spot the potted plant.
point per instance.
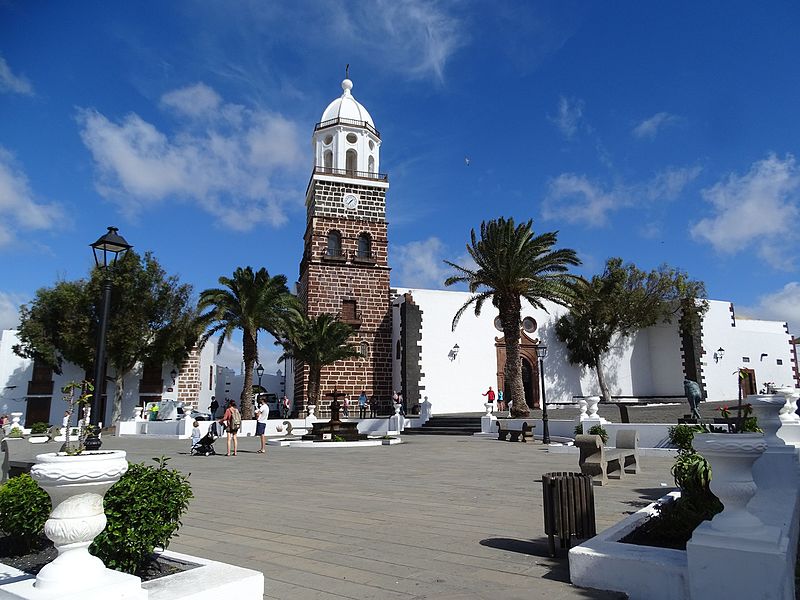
(39, 433)
(15, 433)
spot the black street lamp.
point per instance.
(260, 373)
(541, 352)
(106, 251)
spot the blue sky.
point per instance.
(659, 132)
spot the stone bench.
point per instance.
(598, 461)
(504, 430)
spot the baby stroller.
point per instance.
(205, 447)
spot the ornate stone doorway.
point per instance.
(530, 366)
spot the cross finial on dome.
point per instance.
(347, 71)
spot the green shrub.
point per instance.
(599, 430)
(15, 432)
(144, 509)
(682, 435)
(579, 429)
(39, 427)
(24, 507)
(692, 474)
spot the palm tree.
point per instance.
(251, 300)
(511, 263)
(317, 342)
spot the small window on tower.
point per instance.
(334, 244)
(371, 145)
(349, 312)
(351, 137)
(351, 162)
(327, 160)
(328, 139)
(364, 246)
(779, 361)
(371, 164)
(397, 351)
(364, 350)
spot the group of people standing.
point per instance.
(490, 398)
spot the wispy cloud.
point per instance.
(759, 209)
(15, 84)
(419, 264)
(569, 116)
(577, 199)
(9, 309)
(19, 208)
(417, 37)
(781, 305)
(226, 158)
(649, 128)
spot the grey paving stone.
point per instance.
(436, 518)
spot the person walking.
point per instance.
(373, 407)
(285, 406)
(213, 407)
(362, 405)
(232, 419)
(345, 407)
(262, 416)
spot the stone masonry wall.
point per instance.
(188, 380)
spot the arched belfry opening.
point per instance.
(351, 162)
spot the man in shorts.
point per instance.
(262, 416)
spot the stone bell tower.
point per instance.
(345, 270)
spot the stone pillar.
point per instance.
(311, 418)
(396, 421)
(488, 420)
(736, 536)
(778, 466)
(583, 410)
(790, 430)
(593, 417)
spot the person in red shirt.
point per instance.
(489, 395)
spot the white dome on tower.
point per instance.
(347, 107)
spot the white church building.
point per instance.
(452, 369)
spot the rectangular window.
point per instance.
(348, 310)
(211, 377)
(779, 361)
(745, 359)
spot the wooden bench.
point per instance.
(503, 431)
(598, 461)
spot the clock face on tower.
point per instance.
(350, 201)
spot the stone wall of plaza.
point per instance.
(648, 365)
(194, 385)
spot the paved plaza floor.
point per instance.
(438, 517)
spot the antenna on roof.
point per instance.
(347, 71)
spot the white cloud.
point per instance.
(16, 84)
(649, 128)
(758, 210)
(782, 305)
(193, 101)
(570, 114)
(19, 209)
(577, 199)
(416, 37)
(419, 264)
(228, 159)
(9, 309)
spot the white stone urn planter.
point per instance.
(731, 456)
(76, 485)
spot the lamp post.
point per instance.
(541, 352)
(107, 249)
(260, 373)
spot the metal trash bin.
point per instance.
(568, 508)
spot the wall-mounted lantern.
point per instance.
(453, 352)
(719, 354)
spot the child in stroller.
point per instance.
(205, 445)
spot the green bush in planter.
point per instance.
(144, 510)
(24, 507)
(39, 428)
(15, 432)
(579, 429)
(599, 430)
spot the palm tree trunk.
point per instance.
(249, 354)
(314, 378)
(512, 370)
